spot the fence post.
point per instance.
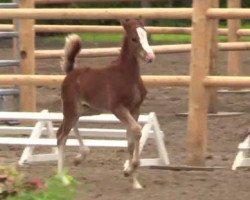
(234, 58)
(213, 99)
(198, 94)
(27, 58)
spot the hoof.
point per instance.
(86, 150)
(77, 160)
(127, 170)
(81, 156)
(135, 164)
(137, 186)
(126, 173)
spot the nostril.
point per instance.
(150, 57)
(150, 60)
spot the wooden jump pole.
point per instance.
(234, 57)
(27, 58)
(198, 94)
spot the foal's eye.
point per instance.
(134, 39)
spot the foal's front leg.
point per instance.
(129, 165)
(133, 136)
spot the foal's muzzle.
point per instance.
(150, 57)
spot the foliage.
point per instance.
(10, 181)
(6, 1)
(13, 186)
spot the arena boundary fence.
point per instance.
(44, 126)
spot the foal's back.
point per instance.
(104, 87)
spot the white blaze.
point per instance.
(144, 40)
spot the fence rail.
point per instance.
(86, 1)
(150, 80)
(111, 13)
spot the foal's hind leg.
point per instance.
(83, 150)
(70, 117)
(133, 135)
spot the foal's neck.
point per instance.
(128, 56)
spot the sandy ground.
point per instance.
(101, 176)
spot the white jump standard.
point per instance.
(242, 158)
(44, 127)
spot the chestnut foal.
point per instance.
(116, 88)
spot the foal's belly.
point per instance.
(105, 93)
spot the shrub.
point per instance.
(14, 187)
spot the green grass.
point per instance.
(171, 38)
(88, 37)
(157, 38)
(116, 37)
(101, 37)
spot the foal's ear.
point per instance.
(124, 22)
(141, 21)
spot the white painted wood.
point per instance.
(86, 132)
(39, 116)
(152, 162)
(35, 134)
(42, 158)
(44, 127)
(159, 138)
(242, 158)
(48, 142)
(144, 137)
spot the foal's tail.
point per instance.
(71, 49)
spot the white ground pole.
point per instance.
(242, 158)
(151, 130)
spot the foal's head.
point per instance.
(137, 39)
